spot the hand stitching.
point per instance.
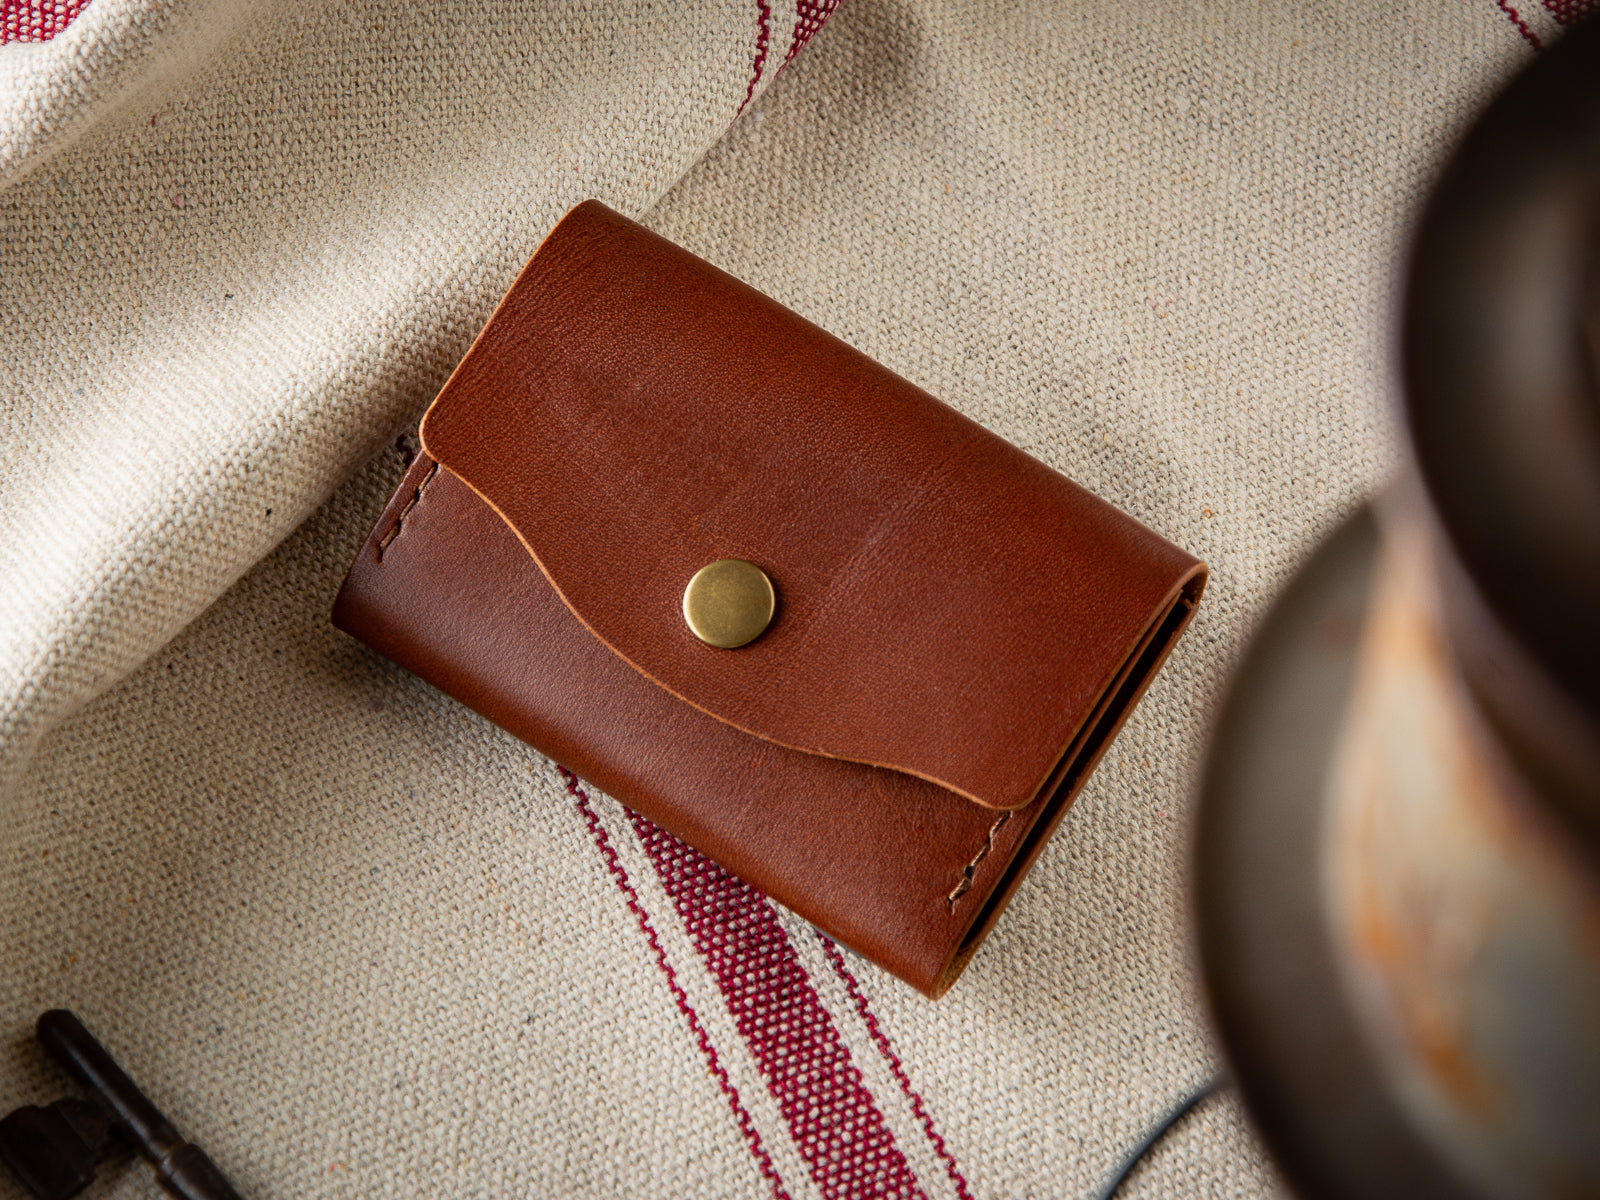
(965, 886)
(394, 530)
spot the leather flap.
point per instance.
(947, 606)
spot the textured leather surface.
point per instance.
(594, 439)
(947, 605)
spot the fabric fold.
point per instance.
(246, 251)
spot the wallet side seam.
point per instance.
(400, 519)
(964, 884)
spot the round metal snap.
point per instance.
(729, 603)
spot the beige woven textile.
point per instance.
(353, 938)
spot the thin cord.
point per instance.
(1177, 1113)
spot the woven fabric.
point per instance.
(30, 21)
(357, 941)
(246, 271)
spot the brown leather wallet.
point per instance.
(958, 630)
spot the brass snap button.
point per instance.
(728, 603)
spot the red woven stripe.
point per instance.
(763, 35)
(886, 1048)
(832, 1117)
(36, 20)
(1569, 12)
(1512, 15)
(809, 17)
(618, 873)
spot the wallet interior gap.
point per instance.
(1112, 712)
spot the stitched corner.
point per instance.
(394, 530)
(965, 885)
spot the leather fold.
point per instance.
(948, 606)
